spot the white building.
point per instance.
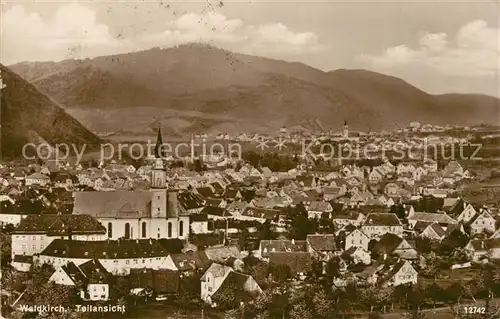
(36, 232)
(116, 256)
(137, 214)
(37, 179)
(378, 224)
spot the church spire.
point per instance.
(345, 131)
(159, 148)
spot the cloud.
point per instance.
(74, 32)
(234, 34)
(473, 52)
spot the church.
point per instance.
(153, 213)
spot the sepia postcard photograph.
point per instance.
(249, 159)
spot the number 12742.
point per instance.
(475, 310)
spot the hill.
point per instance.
(194, 88)
(28, 116)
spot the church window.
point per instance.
(169, 230)
(181, 228)
(143, 229)
(110, 230)
(127, 231)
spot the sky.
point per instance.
(438, 46)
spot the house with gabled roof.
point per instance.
(347, 217)
(440, 218)
(317, 208)
(232, 194)
(187, 263)
(378, 224)
(482, 222)
(333, 192)
(91, 277)
(280, 245)
(37, 179)
(359, 255)
(36, 232)
(463, 211)
(399, 274)
(116, 256)
(241, 284)
(306, 181)
(404, 167)
(375, 176)
(356, 238)
(480, 249)
(321, 246)
(261, 214)
(433, 231)
(212, 279)
(393, 245)
(215, 212)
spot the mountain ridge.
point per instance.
(28, 116)
(222, 86)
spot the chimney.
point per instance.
(172, 203)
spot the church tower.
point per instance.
(158, 175)
(345, 131)
(159, 188)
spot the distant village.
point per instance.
(232, 235)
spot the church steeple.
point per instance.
(345, 131)
(159, 149)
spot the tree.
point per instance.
(322, 304)
(120, 288)
(5, 248)
(198, 165)
(301, 311)
(416, 297)
(435, 294)
(332, 267)
(298, 222)
(432, 265)
(415, 314)
(368, 297)
(453, 293)
(460, 255)
(280, 273)
(455, 239)
(259, 272)
(244, 239)
(266, 231)
(400, 293)
(228, 296)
